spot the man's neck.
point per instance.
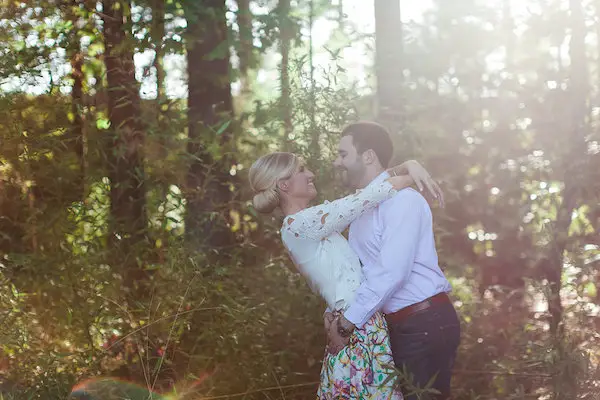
(370, 174)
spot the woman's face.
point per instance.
(301, 184)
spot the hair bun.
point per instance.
(266, 201)
(263, 176)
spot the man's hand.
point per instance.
(337, 341)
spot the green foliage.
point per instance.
(487, 112)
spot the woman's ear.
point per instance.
(283, 185)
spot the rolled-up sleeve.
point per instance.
(400, 236)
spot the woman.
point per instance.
(312, 236)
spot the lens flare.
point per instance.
(113, 389)
(117, 389)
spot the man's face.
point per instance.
(349, 163)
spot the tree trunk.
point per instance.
(597, 25)
(576, 150)
(286, 32)
(509, 26)
(513, 278)
(210, 186)
(210, 111)
(78, 129)
(126, 167)
(244, 19)
(314, 148)
(77, 132)
(158, 33)
(388, 64)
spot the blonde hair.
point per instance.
(263, 177)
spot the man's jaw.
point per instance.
(371, 172)
(343, 177)
(350, 183)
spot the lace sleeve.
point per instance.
(320, 221)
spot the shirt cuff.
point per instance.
(357, 315)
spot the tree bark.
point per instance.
(576, 150)
(388, 64)
(158, 33)
(210, 186)
(511, 273)
(126, 166)
(244, 19)
(314, 148)
(286, 32)
(76, 59)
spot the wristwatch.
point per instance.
(343, 331)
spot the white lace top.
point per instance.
(320, 252)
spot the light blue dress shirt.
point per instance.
(396, 246)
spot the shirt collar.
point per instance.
(377, 180)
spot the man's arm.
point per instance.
(400, 238)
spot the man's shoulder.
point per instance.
(405, 199)
(407, 196)
(406, 202)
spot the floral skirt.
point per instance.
(361, 369)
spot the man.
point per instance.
(396, 246)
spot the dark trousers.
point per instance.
(425, 344)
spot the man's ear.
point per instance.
(283, 185)
(369, 157)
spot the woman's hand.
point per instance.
(327, 320)
(335, 341)
(400, 182)
(420, 176)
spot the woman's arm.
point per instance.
(320, 221)
(420, 176)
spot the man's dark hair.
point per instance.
(371, 135)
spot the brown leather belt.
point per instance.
(405, 312)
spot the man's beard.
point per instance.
(352, 177)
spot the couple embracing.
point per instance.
(387, 301)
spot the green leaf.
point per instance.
(102, 123)
(590, 289)
(223, 127)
